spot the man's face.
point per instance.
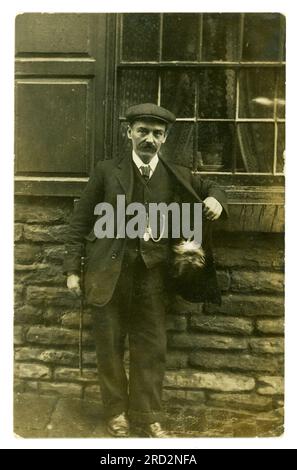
(147, 138)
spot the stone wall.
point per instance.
(228, 356)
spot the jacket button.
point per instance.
(114, 255)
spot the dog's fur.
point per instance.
(189, 258)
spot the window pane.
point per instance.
(220, 37)
(256, 93)
(216, 93)
(261, 38)
(137, 86)
(281, 145)
(281, 95)
(124, 144)
(255, 145)
(178, 92)
(180, 36)
(215, 143)
(140, 36)
(179, 145)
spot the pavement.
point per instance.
(37, 416)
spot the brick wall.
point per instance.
(229, 356)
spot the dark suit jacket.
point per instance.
(104, 256)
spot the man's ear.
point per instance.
(129, 130)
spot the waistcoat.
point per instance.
(159, 188)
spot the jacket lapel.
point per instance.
(125, 176)
(181, 176)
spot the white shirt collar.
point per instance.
(138, 162)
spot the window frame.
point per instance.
(232, 177)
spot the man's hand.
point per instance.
(73, 284)
(212, 208)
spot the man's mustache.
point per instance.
(147, 147)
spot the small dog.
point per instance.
(188, 270)
(189, 257)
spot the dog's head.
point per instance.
(189, 257)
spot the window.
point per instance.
(223, 75)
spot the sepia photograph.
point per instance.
(149, 225)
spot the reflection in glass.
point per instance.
(215, 144)
(281, 145)
(261, 37)
(255, 147)
(178, 92)
(281, 95)
(179, 146)
(216, 93)
(180, 36)
(140, 36)
(256, 93)
(220, 37)
(137, 86)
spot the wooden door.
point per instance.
(60, 105)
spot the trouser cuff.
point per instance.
(114, 411)
(140, 417)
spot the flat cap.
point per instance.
(149, 110)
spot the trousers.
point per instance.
(136, 314)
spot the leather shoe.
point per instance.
(118, 426)
(155, 430)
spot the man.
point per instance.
(125, 277)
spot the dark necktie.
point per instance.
(145, 171)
